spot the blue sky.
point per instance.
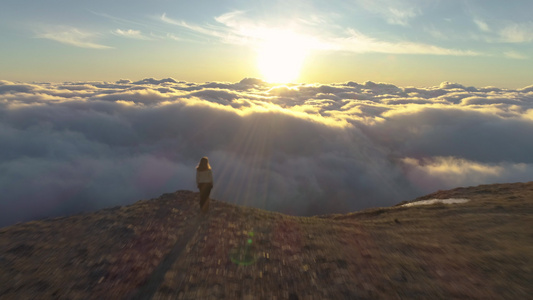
(405, 42)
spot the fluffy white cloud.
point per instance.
(72, 36)
(515, 55)
(300, 149)
(238, 28)
(449, 172)
(517, 32)
(395, 12)
(130, 33)
(482, 25)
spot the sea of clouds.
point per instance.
(300, 149)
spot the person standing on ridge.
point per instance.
(204, 181)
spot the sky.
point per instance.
(303, 107)
(403, 42)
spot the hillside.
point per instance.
(163, 249)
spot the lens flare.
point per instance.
(244, 255)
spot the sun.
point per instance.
(280, 56)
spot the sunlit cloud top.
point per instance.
(295, 148)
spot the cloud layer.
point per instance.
(299, 149)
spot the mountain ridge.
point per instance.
(163, 248)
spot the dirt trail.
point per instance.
(155, 280)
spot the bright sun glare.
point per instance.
(281, 56)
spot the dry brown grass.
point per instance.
(482, 249)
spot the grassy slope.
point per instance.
(482, 249)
